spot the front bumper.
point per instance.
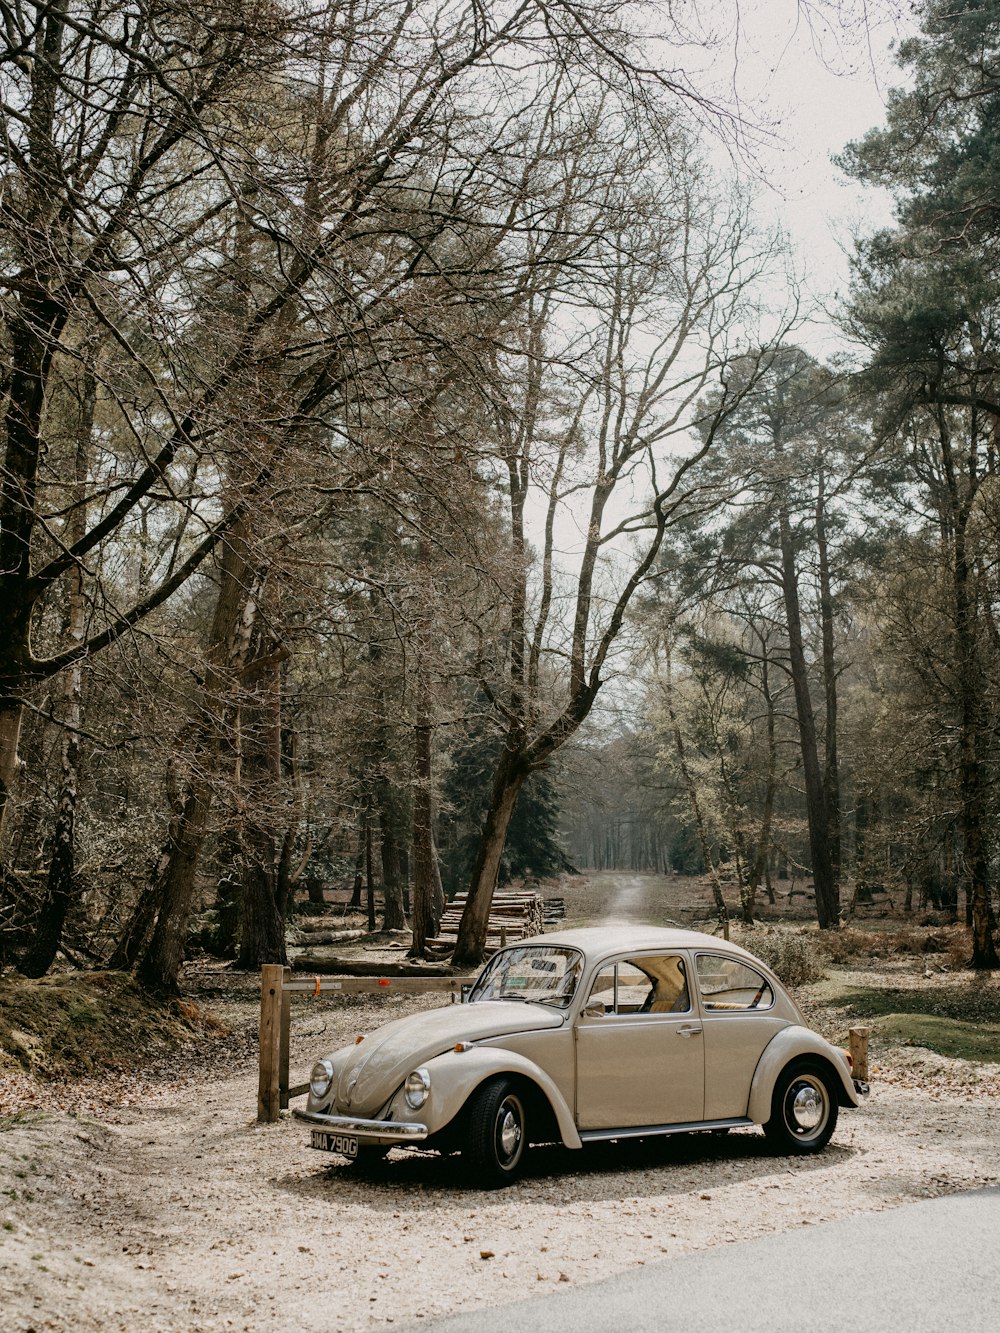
(381, 1131)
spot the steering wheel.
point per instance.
(758, 997)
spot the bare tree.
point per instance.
(596, 413)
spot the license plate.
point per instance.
(325, 1141)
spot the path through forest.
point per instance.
(621, 898)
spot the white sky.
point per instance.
(810, 91)
(817, 87)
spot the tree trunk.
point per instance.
(34, 329)
(11, 712)
(394, 917)
(424, 921)
(262, 929)
(972, 812)
(437, 891)
(831, 767)
(473, 927)
(827, 896)
(262, 922)
(286, 877)
(972, 808)
(359, 866)
(134, 939)
(174, 893)
(759, 867)
(227, 894)
(60, 884)
(61, 879)
(722, 911)
(160, 966)
(369, 872)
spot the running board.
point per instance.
(657, 1131)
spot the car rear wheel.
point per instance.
(803, 1109)
(496, 1133)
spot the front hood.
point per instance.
(370, 1072)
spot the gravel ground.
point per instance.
(157, 1203)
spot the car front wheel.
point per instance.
(496, 1134)
(803, 1110)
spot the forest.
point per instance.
(415, 471)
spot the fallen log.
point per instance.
(362, 967)
(311, 937)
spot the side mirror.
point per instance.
(593, 1010)
(466, 988)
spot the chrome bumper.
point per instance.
(385, 1131)
(861, 1088)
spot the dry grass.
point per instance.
(851, 943)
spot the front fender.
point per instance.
(455, 1075)
(790, 1044)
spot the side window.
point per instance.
(670, 985)
(645, 985)
(726, 983)
(603, 989)
(634, 988)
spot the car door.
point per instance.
(737, 1008)
(639, 1055)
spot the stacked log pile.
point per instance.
(514, 915)
(554, 909)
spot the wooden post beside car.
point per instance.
(274, 1089)
(268, 1082)
(858, 1039)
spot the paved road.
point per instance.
(929, 1267)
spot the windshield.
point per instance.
(538, 972)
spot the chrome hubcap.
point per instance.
(807, 1107)
(510, 1132)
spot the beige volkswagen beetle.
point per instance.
(581, 1035)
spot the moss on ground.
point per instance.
(85, 1022)
(945, 1036)
(964, 1002)
(959, 1019)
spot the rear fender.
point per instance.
(794, 1043)
(457, 1074)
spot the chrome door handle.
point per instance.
(689, 1030)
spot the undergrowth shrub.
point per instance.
(850, 944)
(794, 957)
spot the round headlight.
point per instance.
(417, 1089)
(321, 1078)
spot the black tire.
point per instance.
(803, 1109)
(496, 1134)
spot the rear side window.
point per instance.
(727, 984)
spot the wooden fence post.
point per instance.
(285, 1030)
(858, 1038)
(268, 1096)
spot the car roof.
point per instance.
(599, 941)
